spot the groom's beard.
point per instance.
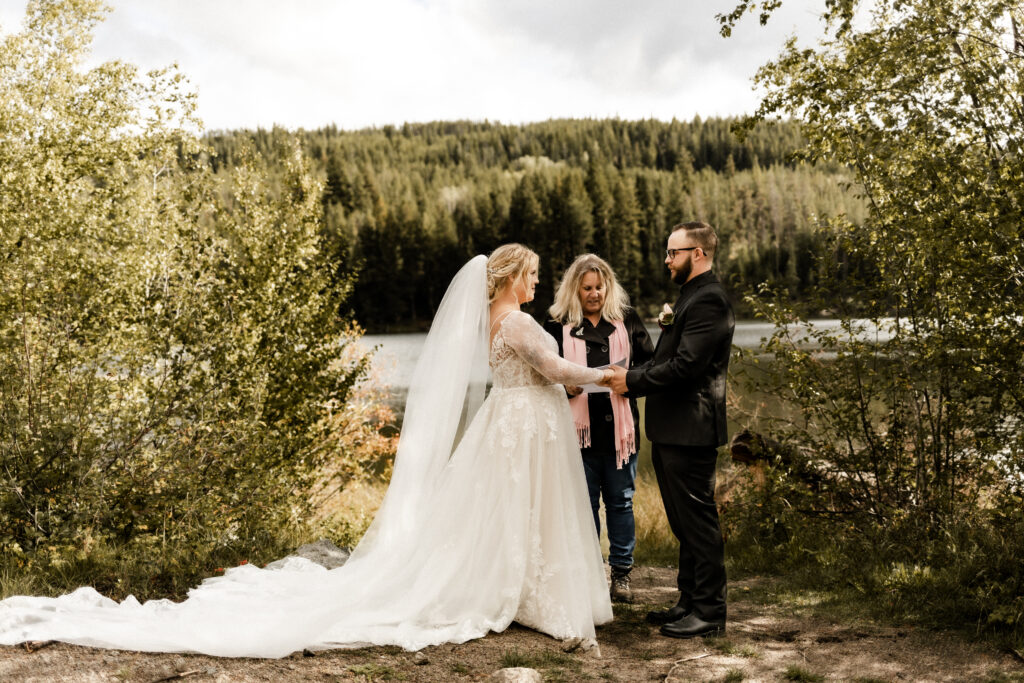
(683, 274)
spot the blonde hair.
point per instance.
(507, 264)
(567, 308)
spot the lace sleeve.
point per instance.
(537, 348)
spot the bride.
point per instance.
(486, 519)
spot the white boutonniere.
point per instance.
(666, 317)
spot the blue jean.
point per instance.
(617, 488)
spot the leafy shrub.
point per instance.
(169, 337)
(903, 435)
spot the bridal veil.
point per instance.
(447, 388)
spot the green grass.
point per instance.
(632, 615)
(17, 581)
(801, 675)
(551, 658)
(726, 647)
(512, 659)
(549, 661)
(459, 668)
(792, 596)
(733, 676)
(562, 676)
(145, 571)
(645, 655)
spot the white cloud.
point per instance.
(356, 64)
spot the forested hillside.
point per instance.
(405, 207)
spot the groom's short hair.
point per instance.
(703, 235)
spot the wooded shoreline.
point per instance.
(405, 207)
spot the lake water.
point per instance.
(396, 354)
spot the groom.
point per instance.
(685, 420)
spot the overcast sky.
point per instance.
(309, 63)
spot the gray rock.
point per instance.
(519, 674)
(323, 552)
(419, 659)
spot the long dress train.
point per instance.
(505, 534)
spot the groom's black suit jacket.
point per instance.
(685, 381)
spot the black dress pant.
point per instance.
(686, 478)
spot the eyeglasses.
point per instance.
(671, 253)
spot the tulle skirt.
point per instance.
(507, 535)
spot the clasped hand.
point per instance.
(614, 378)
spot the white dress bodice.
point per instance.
(523, 354)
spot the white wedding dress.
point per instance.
(469, 539)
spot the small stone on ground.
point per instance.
(518, 674)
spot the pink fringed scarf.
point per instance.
(575, 349)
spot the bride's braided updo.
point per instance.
(505, 265)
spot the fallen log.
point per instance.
(751, 448)
(748, 447)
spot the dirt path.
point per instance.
(767, 640)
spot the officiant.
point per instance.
(594, 326)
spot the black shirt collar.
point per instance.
(696, 283)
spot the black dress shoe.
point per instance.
(667, 616)
(692, 626)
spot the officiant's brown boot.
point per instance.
(620, 590)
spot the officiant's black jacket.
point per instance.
(641, 349)
(685, 381)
